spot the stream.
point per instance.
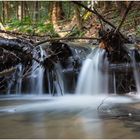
(77, 97)
(30, 116)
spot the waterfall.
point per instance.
(19, 80)
(59, 83)
(36, 78)
(55, 80)
(15, 81)
(114, 83)
(37, 75)
(92, 79)
(35, 81)
(135, 71)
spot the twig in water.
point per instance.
(57, 78)
(27, 73)
(98, 108)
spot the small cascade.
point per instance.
(114, 83)
(59, 83)
(15, 82)
(135, 70)
(19, 80)
(10, 83)
(37, 75)
(55, 80)
(93, 78)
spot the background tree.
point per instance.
(5, 10)
(57, 12)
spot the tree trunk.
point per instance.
(23, 9)
(5, 6)
(20, 10)
(121, 5)
(36, 10)
(57, 12)
(77, 17)
(26, 8)
(107, 5)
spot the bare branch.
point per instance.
(65, 38)
(22, 34)
(95, 12)
(124, 17)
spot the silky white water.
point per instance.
(93, 78)
(19, 80)
(59, 83)
(56, 80)
(37, 76)
(16, 79)
(35, 80)
(67, 102)
(136, 72)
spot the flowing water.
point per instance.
(93, 115)
(35, 82)
(19, 80)
(56, 80)
(59, 83)
(69, 117)
(95, 78)
(92, 79)
(136, 72)
(16, 80)
(37, 75)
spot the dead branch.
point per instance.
(22, 34)
(29, 72)
(2, 81)
(20, 46)
(124, 17)
(95, 12)
(7, 71)
(98, 108)
(65, 38)
(9, 52)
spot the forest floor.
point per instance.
(131, 25)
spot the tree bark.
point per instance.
(107, 5)
(57, 12)
(5, 5)
(26, 9)
(121, 5)
(36, 11)
(77, 16)
(20, 10)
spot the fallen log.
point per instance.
(65, 38)
(124, 67)
(7, 72)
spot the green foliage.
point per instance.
(27, 26)
(138, 30)
(87, 15)
(77, 32)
